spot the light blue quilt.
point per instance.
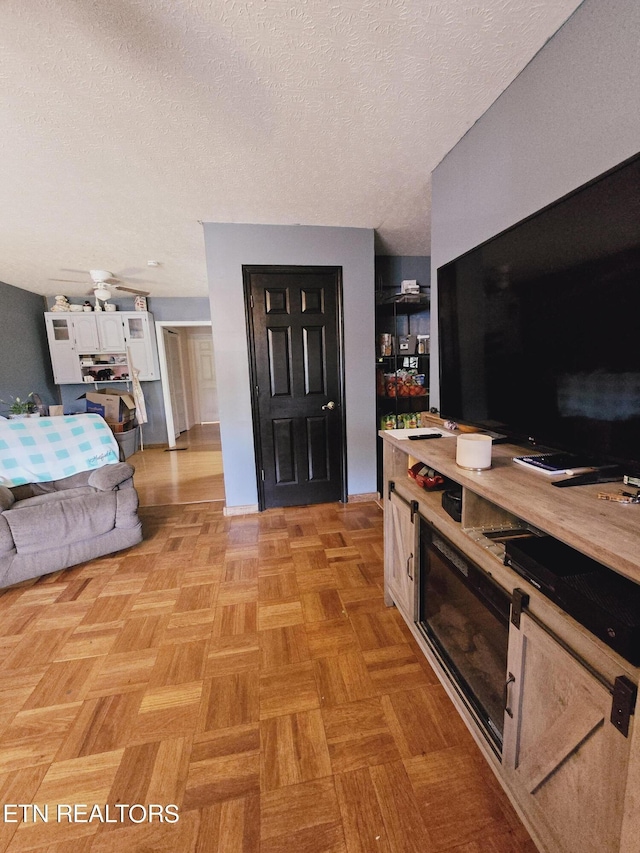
(38, 450)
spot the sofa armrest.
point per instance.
(107, 478)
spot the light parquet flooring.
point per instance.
(246, 670)
(190, 473)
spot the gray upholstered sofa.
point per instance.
(49, 526)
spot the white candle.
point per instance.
(473, 451)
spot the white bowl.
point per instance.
(75, 308)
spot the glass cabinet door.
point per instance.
(60, 330)
(135, 329)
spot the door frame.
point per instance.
(247, 270)
(164, 372)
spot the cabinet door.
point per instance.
(64, 361)
(110, 331)
(562, 755)
(141, 346)
(401, 553)
(85, 333)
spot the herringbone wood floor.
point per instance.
(247, 670)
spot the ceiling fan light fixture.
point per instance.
(100, 276)
(101, 292)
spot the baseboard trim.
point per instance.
(240, 510)
(365, 497)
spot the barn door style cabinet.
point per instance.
(568, 749)
(401, 549)
(103, 346)
(563, 756)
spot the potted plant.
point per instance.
(20, 408)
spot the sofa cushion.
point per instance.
(29, 490)
(22, 492)
(7, 498)
(46, 521)
(53, 497)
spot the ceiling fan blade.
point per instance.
(131, 290)
(70, 280)
(130, 271)
(80, 272)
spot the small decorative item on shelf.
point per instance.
(388, 422)
(105, 375)
(140, 303)
(87, 306)
(61, 304)
(423, 344)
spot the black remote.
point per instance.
(421, 437)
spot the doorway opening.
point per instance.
(185, 354)
(187, 371)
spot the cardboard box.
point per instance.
(125, 426)
(116, 407)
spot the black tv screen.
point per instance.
(539, 327)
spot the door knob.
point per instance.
(330, 405)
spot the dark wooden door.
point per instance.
(295, 338)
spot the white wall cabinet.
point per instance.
(64, 358)
(138, 336)
(84, 332)
(78, 342)
(110, 331)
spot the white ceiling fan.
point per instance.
(103, 280)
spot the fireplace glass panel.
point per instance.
(466, 617)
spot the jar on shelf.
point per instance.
(423, 344)
(385, 344)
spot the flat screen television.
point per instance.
(539, 327)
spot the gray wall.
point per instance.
(24, 355)
(174, 308)
(228, 247)
(570, 115)
(392, 270)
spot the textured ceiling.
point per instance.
(124, 123)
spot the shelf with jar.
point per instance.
(402, 394)
(402, 354)
(402, 359)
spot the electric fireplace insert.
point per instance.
(464, 615)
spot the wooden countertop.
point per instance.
(606, 531)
